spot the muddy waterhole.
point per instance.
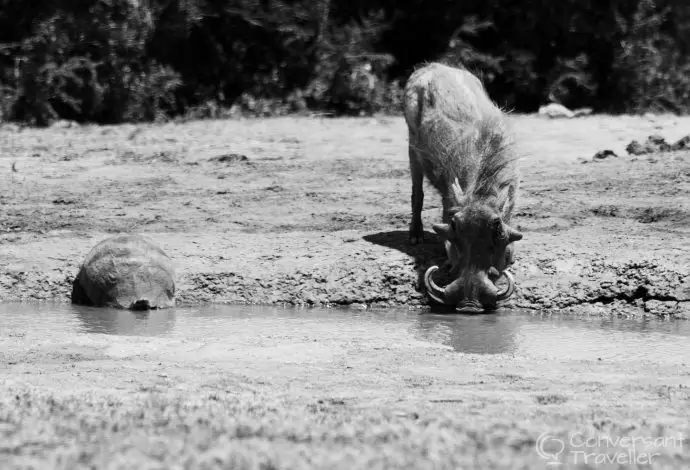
(226, 328)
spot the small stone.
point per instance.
(604, 154)
(682, 293)
(555, 110)
(229, 158)
(658, 307)
(635, 148)
(682, 144)
(683, 310)
(658, 144)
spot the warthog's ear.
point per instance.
(513, 235)
(443, 230)
(501, 230)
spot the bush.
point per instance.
(651, 72)
(111, 61)
(350, 79)
(150, 93)
(91, 65)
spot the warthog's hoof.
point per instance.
(416, 239)
(416, 235)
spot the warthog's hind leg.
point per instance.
(417, 173)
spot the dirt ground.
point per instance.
(309, 211)
(315, 211)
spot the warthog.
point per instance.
(458, 139)
(128, 272)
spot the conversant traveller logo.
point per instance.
(550, 448)
(581, 449)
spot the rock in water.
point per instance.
(128, 272)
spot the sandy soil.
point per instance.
(316, 211)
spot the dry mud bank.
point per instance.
(316, 211)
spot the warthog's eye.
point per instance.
(496, 225)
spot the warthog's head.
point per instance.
(478, 244)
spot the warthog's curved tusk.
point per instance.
(510, 289)
(432, 289)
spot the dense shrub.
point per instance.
(651, 71)
(90, 64)
(144, 60)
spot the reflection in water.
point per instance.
(478, 334)
(506, 332)
(125, 322)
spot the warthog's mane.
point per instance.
(497, 163)
(478, 153)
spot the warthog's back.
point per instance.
(126, 271)
(437, 90)
(455, 129)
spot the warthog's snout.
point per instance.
(471, 292)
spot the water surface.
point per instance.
(508, 332)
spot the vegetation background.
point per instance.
(110, 61)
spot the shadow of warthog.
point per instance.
(425, 255)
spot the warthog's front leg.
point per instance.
(452, 264)
(450, 199)
(417, 174)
